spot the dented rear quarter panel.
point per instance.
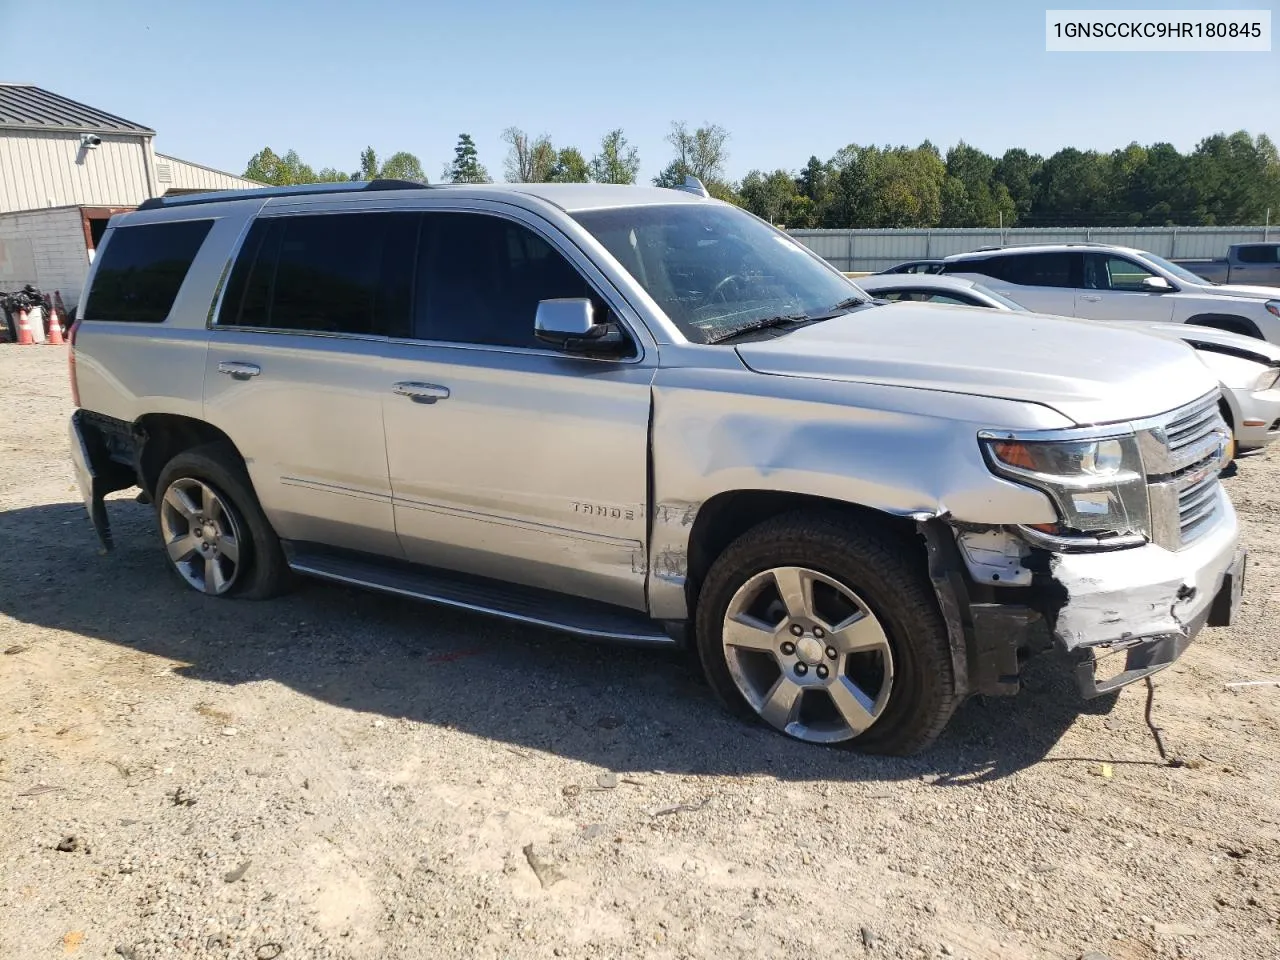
(906, 452)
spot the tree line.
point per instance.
(1226, 179)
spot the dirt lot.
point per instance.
(403, 781)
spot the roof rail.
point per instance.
(1043, 243)
(265, 193)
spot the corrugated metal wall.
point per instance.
(872, 250)
(39, 170)
(45, 248)
(175, 174)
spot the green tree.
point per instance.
(466, 166)
(368, 165)
(816, 184)
(266, 166)
(402, 166)
(1159, 190)
(774, 197)
(1017, 170)
(570, 167)
(1071, 189)
(329, 175)
(701, 153)
(617, 161)
(975, 199)
(529, 160)
(1234, 178)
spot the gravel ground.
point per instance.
(338, 774)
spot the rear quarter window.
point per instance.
(141, 269)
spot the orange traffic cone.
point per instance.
(55, 329)
(24, 329)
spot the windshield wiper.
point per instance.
(751, 326)
(844, 306)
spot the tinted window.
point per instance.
(1258, 254)
(481, 277)
(1025, 269)
(987, 266)
(331, 273)
(141, 269)
(1040, 269)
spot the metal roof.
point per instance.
(27, 107)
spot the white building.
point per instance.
(65, 168)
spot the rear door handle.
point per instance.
(1090, 298)
(421, 392)
(238, 370)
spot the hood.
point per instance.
(1233, 344)
(1241, 290)
(1090, 372)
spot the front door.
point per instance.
(509, 459)
(1112, 290)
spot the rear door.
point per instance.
(1043, 282)
(1112, 290)
(295, 373)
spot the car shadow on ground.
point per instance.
(620, 708)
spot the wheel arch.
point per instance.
(162, 436)
(728, 515)
(1232, 323)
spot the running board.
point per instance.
(541, 608)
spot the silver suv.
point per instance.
(642, 415)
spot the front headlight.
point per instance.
(1098, 486)
(1266, 380)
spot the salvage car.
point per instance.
(1248, 370)
(642, 415)
(1101, 282)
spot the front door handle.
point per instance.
(240, 371)
(1091, 299)
(421, 392)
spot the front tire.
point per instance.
(216, 537)
(828, 632)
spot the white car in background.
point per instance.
(1248, 368)
(1097, 281)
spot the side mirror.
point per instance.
(1156, 285)
(569, 324)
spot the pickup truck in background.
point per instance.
(1257, 263)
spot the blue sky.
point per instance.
(218, 81)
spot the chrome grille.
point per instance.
(1182, 455)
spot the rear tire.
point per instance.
(216, 537)
(890, 684)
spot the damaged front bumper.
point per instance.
(1146, 604)
(1120, 615)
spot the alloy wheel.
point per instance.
(201, 535)
(808, 654)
